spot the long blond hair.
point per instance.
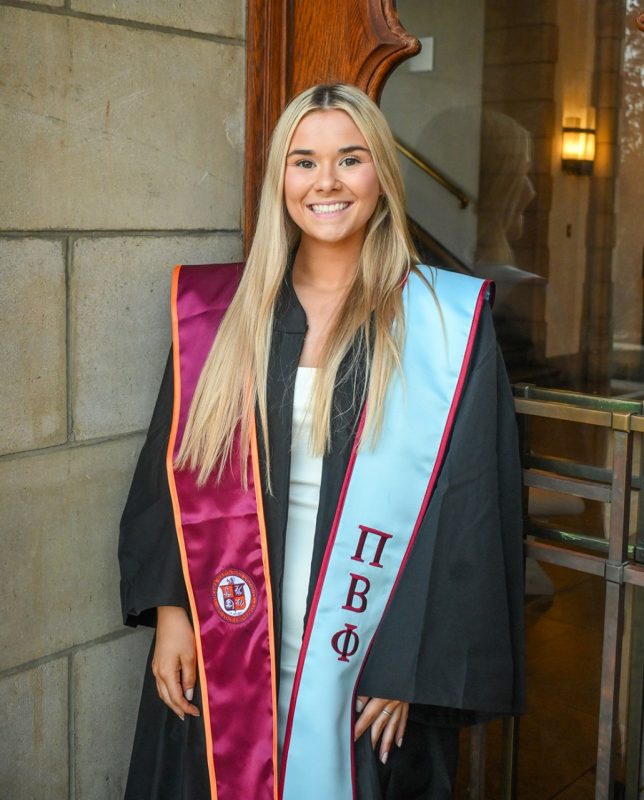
(233, 379)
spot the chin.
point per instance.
(328, 237)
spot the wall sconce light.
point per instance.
(578, 145)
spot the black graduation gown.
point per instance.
(451, 642)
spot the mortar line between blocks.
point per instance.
(66, 652)
(55, 448)
(71, 729)
(79, 233)
(69, 256)
(67, 11)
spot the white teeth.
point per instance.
(328, 208)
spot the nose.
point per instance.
(327, 179)
(529, 192)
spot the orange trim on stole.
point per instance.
(177, 519)
(269, 591)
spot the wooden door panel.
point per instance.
(357, 42)
(293, 45)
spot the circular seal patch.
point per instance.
(234, 595)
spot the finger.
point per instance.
(381, 723)
(402, 725)
(369, 714)
(361, 702)
(162, 689)
(389, 733)
(188, 677)
(173, 686)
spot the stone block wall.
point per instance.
(122, 131)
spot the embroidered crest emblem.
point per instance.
(234, 595)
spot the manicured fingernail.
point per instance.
(399, 742)
(359, 706)
(181, 717)
(189, 694)
(384, 757)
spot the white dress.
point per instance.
(304, 495)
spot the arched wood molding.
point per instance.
(292, 44)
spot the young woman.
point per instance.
(325, 522)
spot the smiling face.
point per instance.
(331, 187)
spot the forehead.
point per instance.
(331, 127)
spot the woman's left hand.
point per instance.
(387, 718)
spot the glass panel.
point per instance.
(558, 734)
(529, 118)
(631, 717)
(485, 105)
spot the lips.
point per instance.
(328, 208)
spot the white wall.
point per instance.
(438, 114)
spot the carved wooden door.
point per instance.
(293, 44)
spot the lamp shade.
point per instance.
(577, 147)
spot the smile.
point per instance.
(328, 208)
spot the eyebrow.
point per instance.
(349, 149)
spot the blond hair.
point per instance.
(233, 379)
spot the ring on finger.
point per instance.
(384, 711)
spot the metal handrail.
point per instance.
(445, 258)
(434, 174)
(591, 402)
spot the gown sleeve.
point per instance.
(451, 642)
(148, 551)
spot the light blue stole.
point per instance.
(385, 495)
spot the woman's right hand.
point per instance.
(174, 660)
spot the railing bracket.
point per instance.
(614, 572)
(621, 421)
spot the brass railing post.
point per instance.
(510, 757)
(614, 604)
(635, 714)
(476, 783)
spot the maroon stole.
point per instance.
(222, 541)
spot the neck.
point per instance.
(325, 265)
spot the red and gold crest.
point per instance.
(234, 595)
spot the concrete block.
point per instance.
(609, 91)
(110, 127)
(58, 568)
(518, 82)
(610, 19)
(33, 747)
(121, 324)
(521, 45)
(536, 224)
(515, 13)
(609, 54)
(107, 681)
(33, 391)
(538, 116)
(606, 131)
(221, 17)
(606, 161)
(602, 231)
